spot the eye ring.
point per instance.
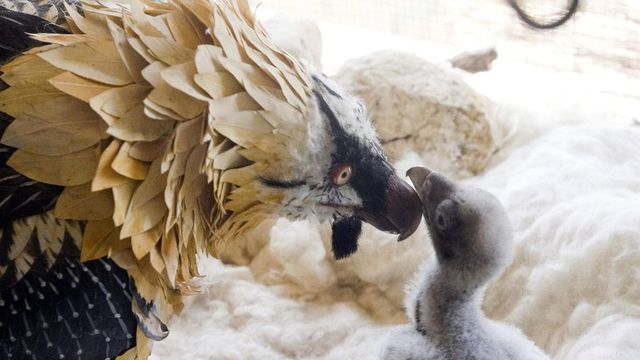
(341, 174)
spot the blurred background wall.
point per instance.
(596, 54)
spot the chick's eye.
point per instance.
(445, 215)
(341, 174)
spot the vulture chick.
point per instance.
(472, 239)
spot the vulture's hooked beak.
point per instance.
(402, 210)
(400, 213)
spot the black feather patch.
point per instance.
(20, 196)
(344, 240)
(73, 311)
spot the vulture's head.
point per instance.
(343, 175)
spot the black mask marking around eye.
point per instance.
(344, 240)
(373, 169)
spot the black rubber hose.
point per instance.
(529, 20)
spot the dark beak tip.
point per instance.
(402, 210)
(404, 207)
(405, 235)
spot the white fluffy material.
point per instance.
(573, 197)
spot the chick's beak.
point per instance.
(418, 176)
(402, 210)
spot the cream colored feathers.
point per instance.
(158, 118)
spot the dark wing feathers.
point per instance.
(54, 306)
(22, 197)
(72, 311)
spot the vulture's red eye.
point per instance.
(341, 174)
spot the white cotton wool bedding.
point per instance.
(573, 197)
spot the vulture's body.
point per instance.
(138, 133)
